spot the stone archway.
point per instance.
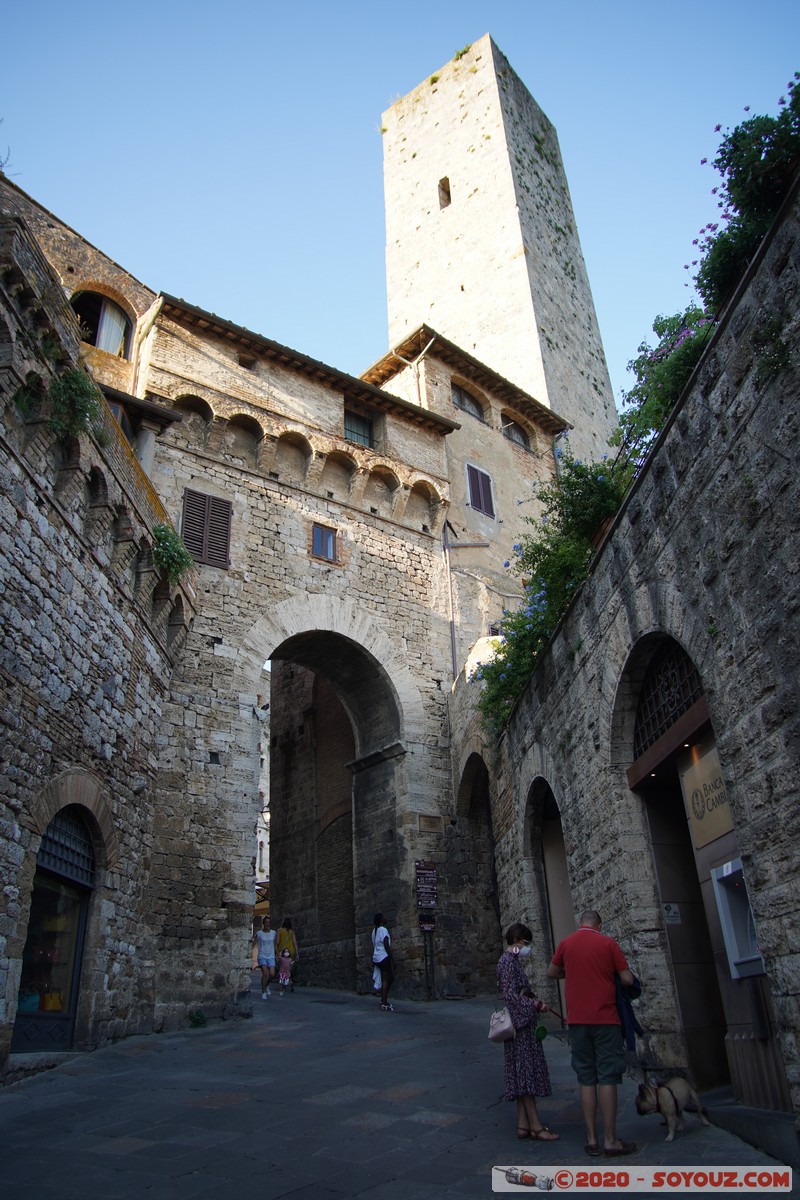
(335, 753)
(544, 844)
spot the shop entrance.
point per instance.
(51, 961)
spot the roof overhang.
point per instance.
(143, 409)
(351, 387)
(426, 338)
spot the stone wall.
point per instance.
(705, 552)
(88, 630)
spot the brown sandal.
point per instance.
(545, 1135)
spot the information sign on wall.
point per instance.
(426, 884)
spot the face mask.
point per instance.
(523, 951)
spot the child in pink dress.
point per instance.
(284, 971)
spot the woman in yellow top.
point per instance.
(287, 941)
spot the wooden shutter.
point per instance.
(480, 491)
(206, 528)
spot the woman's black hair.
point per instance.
(287, 922)
(518, 933)
(377, 919)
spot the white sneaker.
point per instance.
(263, 995)
(268, 993)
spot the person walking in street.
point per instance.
(525, 1067)
(382, 958)
(265, 939)
(590, 962)
(288, 941)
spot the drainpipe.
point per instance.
(414, 364)
(150, 319)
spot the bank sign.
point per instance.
(706, 799)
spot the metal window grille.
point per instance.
(670, 688)
(67, 849)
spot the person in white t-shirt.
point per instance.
(266, 955)
(382, 958)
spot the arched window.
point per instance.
(516, 434)
(669, 689)
(466, 401)
(103, 323)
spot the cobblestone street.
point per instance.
(320, 1096)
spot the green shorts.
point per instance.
(597, 1053)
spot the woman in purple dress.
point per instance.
(526, 1074)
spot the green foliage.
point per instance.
(661, 375)
(73, 399)
(197, 1019)
(74, 404)
(460, 53)
(772, 353)
(757, 161)
(552, 562)
(169, 553)
(30, 393)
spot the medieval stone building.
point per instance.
(349, 535)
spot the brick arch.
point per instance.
(81, 789)
(99, 288)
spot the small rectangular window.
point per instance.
(444, 192)
(358, 428)
(206, 528)
(323, 542)
(480, 491)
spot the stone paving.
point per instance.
(320, 1096)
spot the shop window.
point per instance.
(51, 960)
(206, 528)
(736, 919)
(358, 428)
(480, 491)
(103, 324)
(466, 402)
(323, 542)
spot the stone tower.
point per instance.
(481, 242)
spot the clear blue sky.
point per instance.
(231, 154)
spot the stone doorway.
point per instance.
(544, 838)
(721, 986)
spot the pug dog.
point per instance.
(669, 1098)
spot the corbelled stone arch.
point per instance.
(334, 669)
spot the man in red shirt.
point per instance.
(590, 962)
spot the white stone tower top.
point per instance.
(481, 241)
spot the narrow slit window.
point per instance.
(444, 192)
